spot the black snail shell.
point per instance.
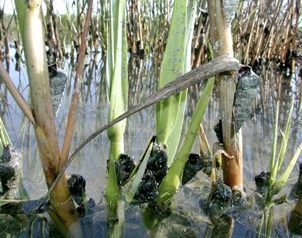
(124, 167)
(147, 190)
(76, 185)
(193, 165)
(262, 181)
(157, 162)
(155, 172)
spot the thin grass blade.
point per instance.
(273, 167)
(285, 138)
(280, 182)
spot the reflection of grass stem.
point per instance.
(24, 106)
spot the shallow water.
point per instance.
(187, 219)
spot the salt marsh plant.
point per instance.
(117, 79)
(31, 28)
(170, 96)
(221, 16)
(171, 182)
(176, 61)
(42, 115)
(277, 177)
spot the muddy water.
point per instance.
(91, 161)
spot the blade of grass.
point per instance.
(285, 137)
(171, 182)
(71, 119)
(170, 112)
(273, 167)
(280, 182)
(138, 176)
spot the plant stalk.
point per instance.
(221, 15)
(30, 23)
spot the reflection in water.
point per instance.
(93, 112)
(295, 220)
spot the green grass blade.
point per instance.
(273, 167)
(171, 182)
(285, 138)
(280, 182)
(138, 176)
(174, 138)
(170, 112)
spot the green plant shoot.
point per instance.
(170, 112)
(116, 72)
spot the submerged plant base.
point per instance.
(219, 201)
(225, 226)
(155, 213)
(297, 189)
(295, 220)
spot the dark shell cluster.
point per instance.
(194, 164)
(157, 162)
(154, 174)
(124, 167)
(57, 80)
(76, 185)
(147, 190)
(7, 154)
(262, 182)
(246, 91)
